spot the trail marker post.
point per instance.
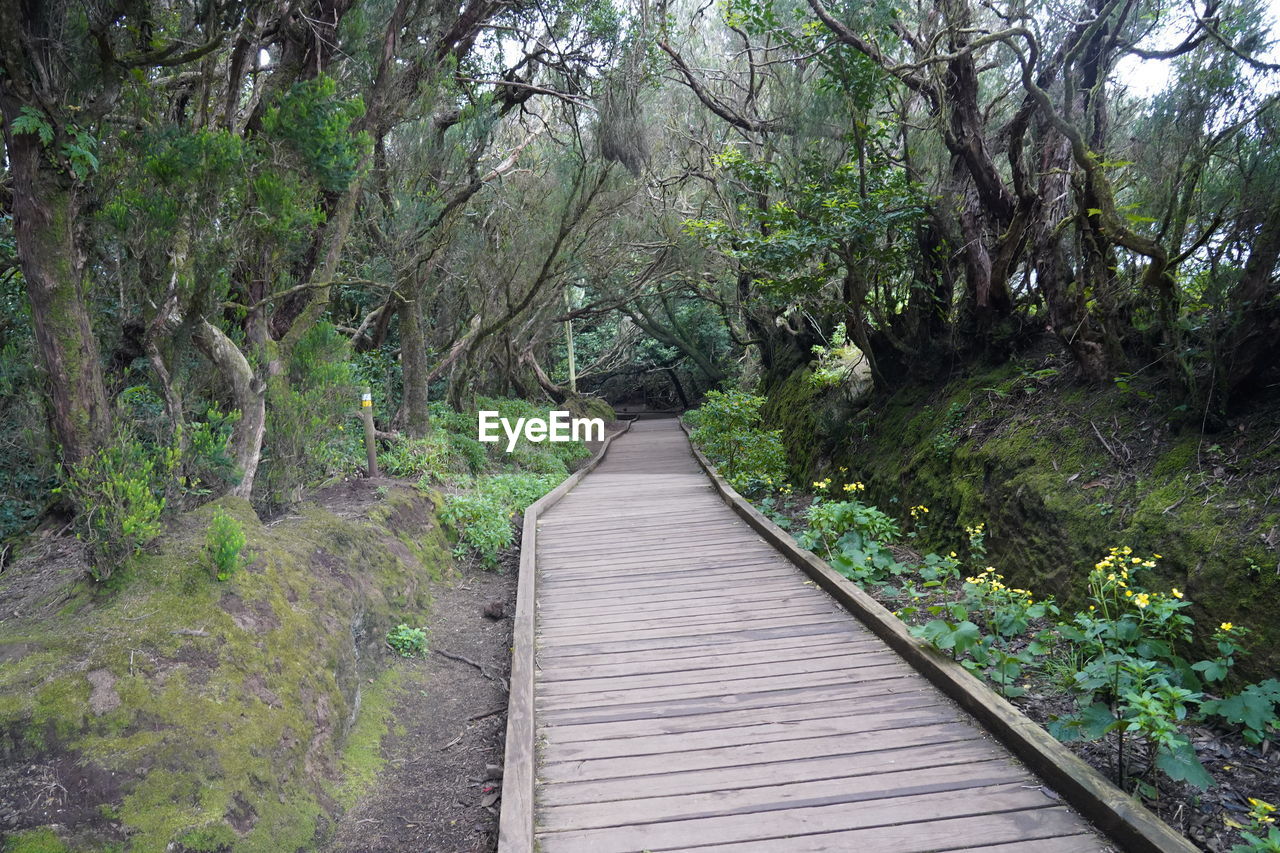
(370, 437)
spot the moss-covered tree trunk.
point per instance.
(44, 217)
(249, 394)
(413, 363)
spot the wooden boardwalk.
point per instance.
(693, 691)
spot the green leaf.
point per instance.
(31, 120)
(1178, 761)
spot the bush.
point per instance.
(407, 642)
(118, 496)
(225, 544)
(483, 524)
(727, 428)
(308, 411)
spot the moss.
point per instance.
(234, 702)
(362, 757)
(590, 407)
(1031, 467)
(41, 840)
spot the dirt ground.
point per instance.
(439, 791)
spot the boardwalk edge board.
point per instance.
(1124, 820)
(515, 824)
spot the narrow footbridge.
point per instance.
(679, 683)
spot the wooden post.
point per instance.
(370, 437)
(568, 337)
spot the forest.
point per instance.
(1012, 263)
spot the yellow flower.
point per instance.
(844, 470)
(953, 553)
(1128, 593)
(1177, 593)
(1142, 600)
(1226, 626)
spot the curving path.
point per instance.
(694, 691)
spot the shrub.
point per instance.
(407, 642)
(727, 428)
(225, 542)
(483, 523)
(118, 496)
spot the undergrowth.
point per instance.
(486, 487)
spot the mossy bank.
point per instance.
(175, 712)
(1059, 472)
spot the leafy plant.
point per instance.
(483, 523)
(224, 542)
(728, 429)
(118, 493)
(407, 642)
(1253, 709)
(1261, 819)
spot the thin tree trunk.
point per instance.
(249, 394)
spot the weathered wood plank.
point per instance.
(869, 745)
(784, 823)
(835, 765)
(802, 794)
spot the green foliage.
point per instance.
(42, 840)
(483, 517)
(1261, 834)
(407, 642)
(1254, 709)
(209, 463)
(495, 485)
(727, 428)
(309, 410)
(118, 494)
(224, 543)
(318, 125)
(822, 217)
(484, 523)
(31, 120)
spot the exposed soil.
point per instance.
(439, 791)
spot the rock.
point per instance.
(104, 697)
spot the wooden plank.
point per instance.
(832, 626)
(729, 689)
(603, 668)
(748, 733)
(658, 625)
(920, 837)
(553, 608)
(786, 823)
(790, 795)
(790, 712)
(549, 660)
(1070, 844)
(832, 765)
(870, 746)
(731, 628)
(884, 692)
(587, 683)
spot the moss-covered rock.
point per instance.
(590, 407)
(183, 713)
(1060, 472)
